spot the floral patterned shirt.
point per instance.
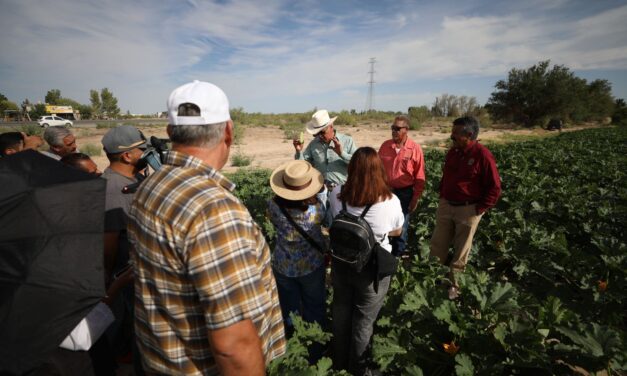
(293, 255)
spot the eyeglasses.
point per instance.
(394, 128)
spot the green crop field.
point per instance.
(545, 290)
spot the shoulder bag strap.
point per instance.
(300, 230)
(363, 213)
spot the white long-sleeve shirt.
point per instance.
(89, 329)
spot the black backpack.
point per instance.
(352, 239)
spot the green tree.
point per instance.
(600, 100)
(85, 110)
(619, 117)
(418, 115)
(96, 104)
(53, 96)
(7, 105)
(68, 102)
(38, 110)
(532, 96)
(109, 103)
(3, 98)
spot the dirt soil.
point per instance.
(269, 147)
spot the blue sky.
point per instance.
(292, 56)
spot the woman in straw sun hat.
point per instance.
(298, 257)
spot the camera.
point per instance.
(153, 156)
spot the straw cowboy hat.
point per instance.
(296, 180)
(319, 121)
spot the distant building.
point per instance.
(65, 112)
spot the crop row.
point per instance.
(545, 290)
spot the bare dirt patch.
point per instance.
(269, 147)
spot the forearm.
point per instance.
(245, 360)
(348, 149)
(419, 187)
(237, 349)
(488, 201)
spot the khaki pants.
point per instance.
(457, 225)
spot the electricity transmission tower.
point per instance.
(370, 99)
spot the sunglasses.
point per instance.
(394, 128)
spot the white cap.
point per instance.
(213, 104)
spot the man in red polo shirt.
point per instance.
(470, 185)
(404, 165)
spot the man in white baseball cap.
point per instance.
(329, 152)
(207, 299)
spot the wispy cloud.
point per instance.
(282, 56)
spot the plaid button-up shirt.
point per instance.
(202, 264)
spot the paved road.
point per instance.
(93, 124)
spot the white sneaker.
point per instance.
(453, 293)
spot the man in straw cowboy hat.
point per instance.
(329, 152)
(207, 301)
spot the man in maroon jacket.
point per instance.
(470, 185)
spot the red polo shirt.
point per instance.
(471, 175)
(405, 168)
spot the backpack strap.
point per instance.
(363, 213)
(300, 230)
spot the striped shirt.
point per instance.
(202, 264)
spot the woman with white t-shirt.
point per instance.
(355, 303)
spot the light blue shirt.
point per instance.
(333, 167)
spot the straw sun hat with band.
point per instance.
(296, 180)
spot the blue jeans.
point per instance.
(303, 295)
(399, 243)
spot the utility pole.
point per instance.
(370, 99)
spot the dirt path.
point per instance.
(268, 146)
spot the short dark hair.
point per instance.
(301, 205)
(188, 109)
(75, 159)
(9, 140)
(470, 124)
(114, 157)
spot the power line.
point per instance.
(370, 99)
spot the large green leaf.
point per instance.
(463, 365)
(384, 350)
(597, 341)
(502, 298)
(413, 370)
(413, 300)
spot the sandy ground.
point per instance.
(269, 147)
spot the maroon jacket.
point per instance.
(470, 175)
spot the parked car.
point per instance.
(51, 120)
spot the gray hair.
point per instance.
(54, 135)
(470, 124)
(206, 136)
